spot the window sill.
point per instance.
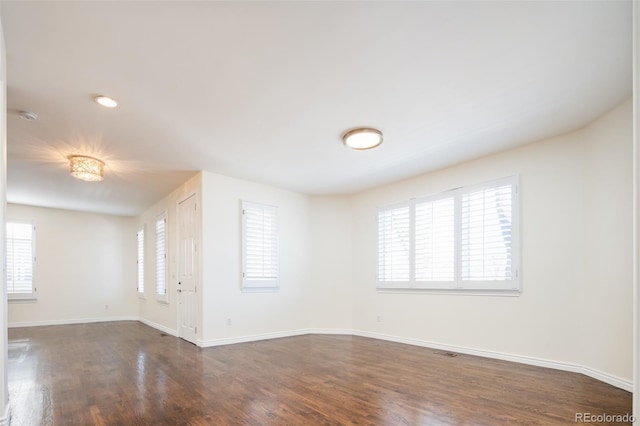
(457, 292)
(260, 289)
(22, 298)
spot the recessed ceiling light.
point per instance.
(362, 138)
(106, 101)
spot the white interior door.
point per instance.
(187, 269)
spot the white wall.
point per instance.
(161, 314)
(606, 288)
(575, 209)
(251, 313)
(331, 295)
(85, 261)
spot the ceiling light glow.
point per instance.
(106, 101)
(362, 138)
(86, 168)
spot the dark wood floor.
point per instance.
(125, 373)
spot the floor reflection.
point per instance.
(27, 387)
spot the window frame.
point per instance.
(31, 296)
(162, 297)
(264, 284)
(140, 263)
(457, 285)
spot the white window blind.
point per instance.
(487, 234)
(394, 249)
(435, 240)
(260, 252)
(161, 257)
(140, 237)
(20, 260)
(465, 239)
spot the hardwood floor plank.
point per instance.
(125, 373)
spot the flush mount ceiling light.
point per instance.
(106, 101)
(362, 138)
(86, 168)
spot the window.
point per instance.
(435, 241)
(259, 246)
(465, 239)
(140, 236)
(394, 243)
(161, 257)
(487, 234)
(20, 260)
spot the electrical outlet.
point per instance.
(106, 307)
(379, 318)
(228, 321)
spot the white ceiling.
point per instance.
(264, 90)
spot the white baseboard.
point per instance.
(607, 378)
(251, 338)
(69, 321)
(338, 331)
(159, 327)
(557, 365)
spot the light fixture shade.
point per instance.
(362, 138)
(106, 101)
(86, 168)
